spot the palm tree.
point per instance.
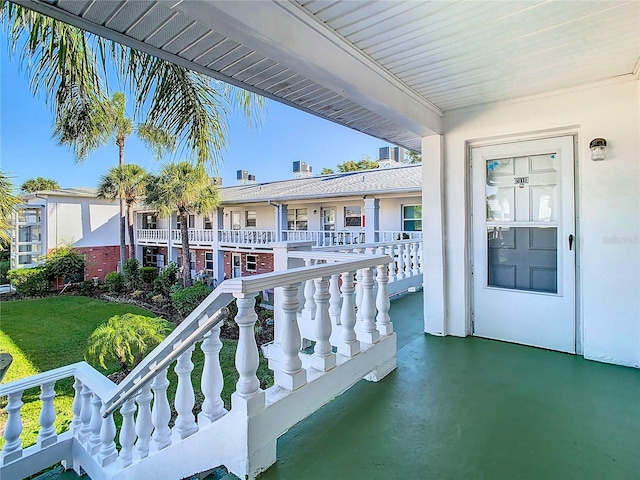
(186, 188)
(127, 182)
(108, 121)
(70, 66)
(8, 203)
(37, 184)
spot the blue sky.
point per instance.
(27, 149)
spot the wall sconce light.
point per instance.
(598, 148)
(315, 211)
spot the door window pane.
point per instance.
(523, 258)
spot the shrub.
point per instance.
(187, 299)
(131, 272)
(66, 263)
(148, 275)
(30, 282)
(87, 287)
(114, 281)
(126, 339)
(4, 269)
(164, 283)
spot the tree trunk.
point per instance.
(186, 260)
(132, 241)
(123, 213)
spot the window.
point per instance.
(297, 219)
(208, 261)
(352, 216)
(250, 218)
(252, 263)
(30, 215)
(150, 257)
(149, 221)
(208, 224)
(412, 218)
(192, 221)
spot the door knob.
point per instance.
(570, 241)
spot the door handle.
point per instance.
(570, 241)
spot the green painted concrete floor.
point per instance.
(469, 408)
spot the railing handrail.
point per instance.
(337, 248)
(96, 381)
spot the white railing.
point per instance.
(391, 235)
(247, 237)
(324, 238)
(195, 236)
(353, 336)
(152, 235)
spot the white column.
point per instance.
(76, 407)
(13, 428)
(212, 381)
(161, 412)
(349, 346)
(47, 435)
(391, 251)
(108, 453)
(127, 433)
(366, 330)
(433, 225)
(401, 262)
(248, 395)
(309, 311)
(372, 219)
(383, 322)
(85, 415)
(290, 375)
(323, 358)
(144, 424)
(185, 398)
(95, 424)
(335, 299)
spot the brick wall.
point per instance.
(100, 260)
(264, 263)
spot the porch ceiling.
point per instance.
(389, 69)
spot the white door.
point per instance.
(523, 261)
(237, 266)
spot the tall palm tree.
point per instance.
(108, 122)
(186, 188)
(69, 67)
(127, 182)
(40, 183)
(8, 203)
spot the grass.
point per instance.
(48, 333)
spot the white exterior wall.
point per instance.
(83, 222)
(608, 202)
(391, 211)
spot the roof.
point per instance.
(365, 182)
(64, 192)
(388, 69)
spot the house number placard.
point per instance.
(520, 181)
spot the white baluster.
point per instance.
(392, 265)
(47, 435)
(144, 425)
(292, 376)
(161, 413)
(185, 399)
(309, 310)
(108, 453)
(358, 295)
(85, 415)
(95, 424)
(13, 428)
(212, 380)
(350, 345)
(366, 330)
(127, 433)
(401, 262)
(383, 322)
(323, 358)
(335, 300)
(76, 407)
(420, 247)
(248, 395)
(414, 257)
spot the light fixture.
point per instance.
(598, 148)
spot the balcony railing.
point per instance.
(326, 238)
(152, 235)
(347, 322)
(247, 237)
(392, 235)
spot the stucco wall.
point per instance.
(608, 202)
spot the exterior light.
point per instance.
(598, 148)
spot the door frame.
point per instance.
(516, 138)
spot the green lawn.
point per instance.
(48, 333)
